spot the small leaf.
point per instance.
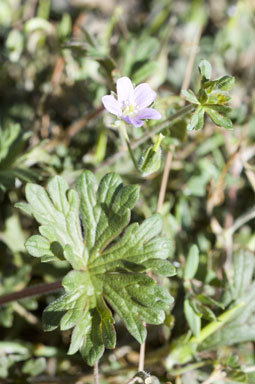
(202, 96)
(207, 313)
(190, 96)
(218, 118)
(192, 263)
(225, 83)
(197, 119)
(218, 97)
(38, 23)
(223, 109)
(205, 69)
(237, 376)
(208, 300)
(34, 367)
(193, 319)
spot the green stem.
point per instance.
(165, 124)
(209, 329)
(157, 129)
(123, 131)
(132, 156)
(190, 367)
(183, 351)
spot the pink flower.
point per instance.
(131, 105)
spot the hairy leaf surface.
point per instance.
(84, 227)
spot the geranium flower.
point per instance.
(132, 104)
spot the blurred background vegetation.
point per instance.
(57, 59)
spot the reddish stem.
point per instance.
(36, 290)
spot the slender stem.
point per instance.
(74, 128)
(165, 176)
(161, 198)
(188, 368)
(30, 318)
(192, 56)
(165, 124)
(132, 155)
(212, 327)
(157, 129)
(185, 85)
(241, 221)
(96, 374)
(40, 289)
(123, 132)
(142, 355)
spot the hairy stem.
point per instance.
(157, 129)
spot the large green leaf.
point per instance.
(80, 226)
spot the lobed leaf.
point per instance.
(80, 227)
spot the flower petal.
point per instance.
(111, 104)
(126, 119)
(133, 121)
(148, 113)
(136, 122)
(125, 90)
(144, 95)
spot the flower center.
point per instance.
(129, 109)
